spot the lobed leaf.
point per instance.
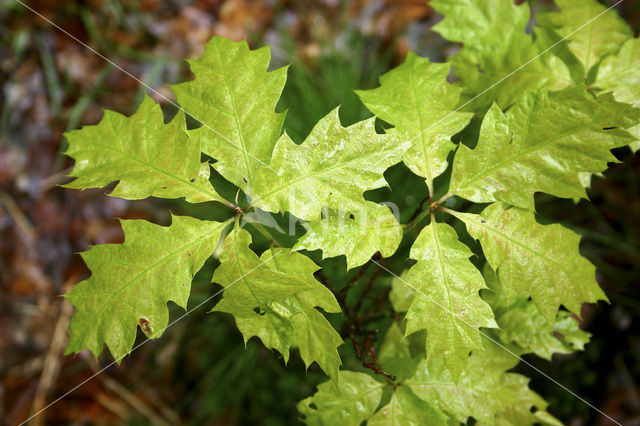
(146, 157)
(591, 31)
(349, 404)
(485, 392)
(358, 235)
(278, 303)
(543, 261)
(234, 97)
(132, 282)
(405, 408)
(447, 299)
(416, 98)
(521, 323)
(499, 60)
(547, 142)
(332, 168)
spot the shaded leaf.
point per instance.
(349, 404)
(485, 392)
(405, 408)
(495, 45)
(521, 323)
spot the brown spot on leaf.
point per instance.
(145, 326)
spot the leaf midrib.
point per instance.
(187, 182)
(155, 265)
(235, 115)
(514, 158)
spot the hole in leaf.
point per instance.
(258, 311)
(351, 216)
(192, 180)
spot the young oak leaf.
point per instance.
(358, 235)
(521, 323)
(400, 355)
(495, 44)
(543, 261)
(416, 98)
(447, 301)
(485, 392)
(277, 304)
(146, 156)
(347, 404)
(405, 408)
(234, 96)
(547, 142)
(332, 168)
(132, 282)
(620, 73)
(589, 39)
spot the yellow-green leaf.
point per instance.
(358, 235)
(416, 98)
(146, 157)
(348, 404)
(234, 97)
(332, 168)
(547, 142)
(543, 261)
(132, 282)
(447, 299)
(277, 303)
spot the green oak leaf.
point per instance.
(589, 39)
(521, 323)
(498, 60)
(401, 295)
(132, 282)
(349, 404)
(547, 142)
(447, 302)
(416, 98)
(406, 409)
(277, 303)
(543, 261)
(147, 157)
(485, 392)
(358, 235)
(234, 97)
(620, 73)
(400, 355)
(332, 168)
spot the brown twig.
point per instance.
(368, 347)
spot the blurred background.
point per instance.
(200, 372)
